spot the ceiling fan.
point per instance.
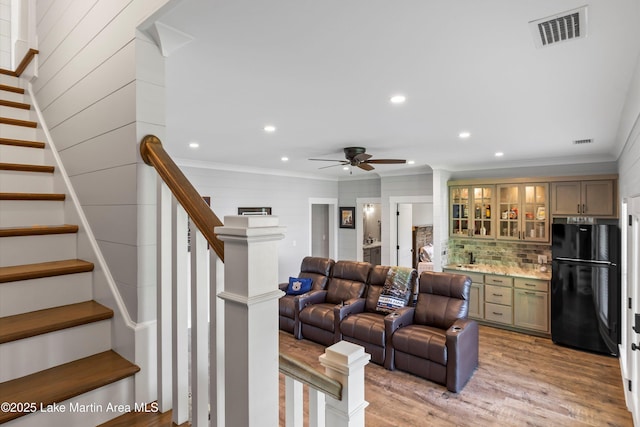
(357, 156)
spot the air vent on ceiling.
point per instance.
(559, 28)
(583, 141)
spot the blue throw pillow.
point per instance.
(298, 286)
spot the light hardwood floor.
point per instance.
(521, 380)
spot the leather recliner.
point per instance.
(321, 312)
(316, 268)
(435, 339)
(364, 324)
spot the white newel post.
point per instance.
(345, 363)
(251, 319)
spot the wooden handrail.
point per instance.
(28, 57)
(307, 375)
(200, 213)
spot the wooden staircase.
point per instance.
(55, 340)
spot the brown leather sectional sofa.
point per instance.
(431, 337)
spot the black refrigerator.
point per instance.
(585, 287)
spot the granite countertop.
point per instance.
(528, 273)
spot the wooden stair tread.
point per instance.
(14, 89)
(38, 230)
(32, 196)
(21, 143)
(26, 325)
(22, 105)
(63, 382)
(26, 168)
(16, 122)
(43, 269)
(144, 419)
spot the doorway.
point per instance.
(323, 228)
(405, 213)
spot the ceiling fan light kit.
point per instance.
(357, 156)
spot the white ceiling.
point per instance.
(322, 72)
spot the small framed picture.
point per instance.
(347, 217)
(254, 211)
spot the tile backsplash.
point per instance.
(522, 255)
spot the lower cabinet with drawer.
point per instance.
(531, 304)
(516, 303)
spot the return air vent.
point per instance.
(583, 141)
(559, 28)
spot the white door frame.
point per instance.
(391, 254)
(333, 224)
(630, 293)
(359, 221)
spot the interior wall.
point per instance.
(5, 34)
(549, 170)
(349, 192)
(87, 88)
(405, 186)
(285, 195)
(320, 230)
(629, 138)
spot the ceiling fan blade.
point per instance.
(387, 161)
(365, 166)
(333, 166)
(327, 160)
(361, 157)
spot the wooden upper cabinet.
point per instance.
(584, 198)
(598, 198)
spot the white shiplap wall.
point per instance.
(88, 86)
(5, 34)
(629, 139)
(287, 196)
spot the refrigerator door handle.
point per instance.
(583, 261)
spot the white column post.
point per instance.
(345, 363)
(251, 319)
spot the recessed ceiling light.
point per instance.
(269, 128)
(284, 159)
(464, 135)
(398, 99)
(411, 162)
(194, 145)
(499, 154)
(346, 168)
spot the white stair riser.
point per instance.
(32, 249)
(24, 296)
(15, 113)
(12, 96)
(96, 408)
(10, 81)
(31, 212)
(18, 132)
(24, 155)
(52, 349)
(25, 182)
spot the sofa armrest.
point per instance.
(283, 286)
(354, 305)
(342, 310)
(462, 348)
(313, 297)
(392, 322)
(399, 318)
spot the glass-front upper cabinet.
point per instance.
(523, 212)
(470, 211)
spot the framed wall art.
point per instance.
(347, 217)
